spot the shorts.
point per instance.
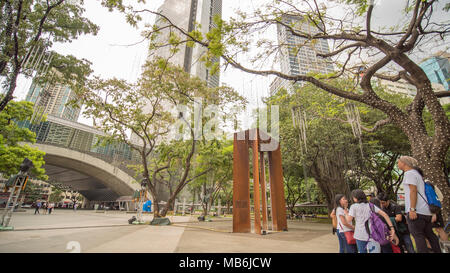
(439, 221)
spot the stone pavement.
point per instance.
(110, 232)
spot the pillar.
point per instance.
(277, 191)
(241, 186)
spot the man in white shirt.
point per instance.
(416, 207)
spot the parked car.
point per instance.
(26, 206)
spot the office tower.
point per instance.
(184, 14)
(437, 69)
(52, 99)
(297, 55)
(404, 88)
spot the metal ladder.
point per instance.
(18, 185)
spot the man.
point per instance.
(395, 213)
(50, 207)
(38, 206)
(418, 213)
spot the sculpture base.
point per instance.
(160, 222)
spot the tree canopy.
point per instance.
(154, 116)
(13, 139)
(28, 29)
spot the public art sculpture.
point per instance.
(260, 142)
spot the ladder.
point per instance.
(18, 185)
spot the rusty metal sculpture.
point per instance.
(260, 142)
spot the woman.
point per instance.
(360, 211)
(341, 208)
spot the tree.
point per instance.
(33, 192)
(215, 157)
(23, 26)
(357, 48)
(12, 149)
(56, 196)
(325, 145)
(146, 109)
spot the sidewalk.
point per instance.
(111, 233)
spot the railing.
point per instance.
(115, 160)
(71, 135)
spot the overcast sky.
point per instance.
(111, 58)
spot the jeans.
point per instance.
(421, 229)
(343, 246)
(342, 241)
(406, 238)
(362, 246)
(387, 248)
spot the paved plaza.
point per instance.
(109, 232)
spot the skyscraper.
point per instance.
(184, 14)
(298, 56)
(437, 69)
(52, 100)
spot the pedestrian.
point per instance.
(74, 206)
(386, 248)
(419, 216)
(333, 220)
(38, 206)
(343, 227)
(438, 220)
(44, 207)
(50, 207)
(361, 211)
(394, 212)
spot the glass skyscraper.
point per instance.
(52, 100)
(297, 55)
(437, 69)
(184, 14)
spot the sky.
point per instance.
(112, 56)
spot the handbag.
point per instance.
(349, 236)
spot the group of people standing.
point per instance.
(47, 207)
(417, 221)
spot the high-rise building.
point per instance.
(405, 88)
(185, 14)
(297, 55)
(52, 100)
(437, 69)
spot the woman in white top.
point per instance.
(341, 204)
(360, 211)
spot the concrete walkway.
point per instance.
(110, 232)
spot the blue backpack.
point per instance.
(432, 199)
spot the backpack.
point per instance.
(432, 199)
(378, 230)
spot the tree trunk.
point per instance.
(329, 176)
(9, 95)
(155, 202)
(433, 169)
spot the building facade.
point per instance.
(404, 88)
(437, 69)
(52, 100)
(297, 55)
(186, 14)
